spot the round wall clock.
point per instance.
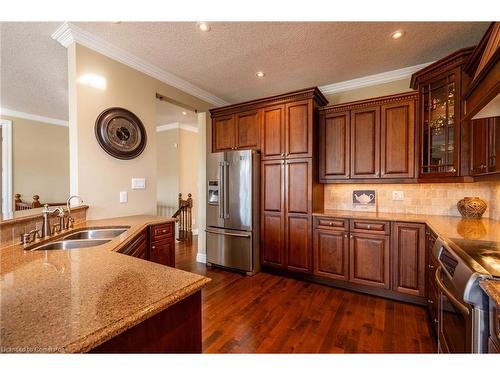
(120, 133)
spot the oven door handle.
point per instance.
(450, 295)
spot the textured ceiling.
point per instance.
(224, 60)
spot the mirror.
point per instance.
(34, 118)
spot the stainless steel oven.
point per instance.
(463, 318)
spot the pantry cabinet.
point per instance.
(369, 140)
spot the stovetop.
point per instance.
(485, 253)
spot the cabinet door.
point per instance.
(298, 174)
(479, 146)
(331, 254)
(138, 247)
(247, 130)
(299, 123)
(272, 213)
(163, 252)
(397, 154)
(494, 144)
(273, 132)
(223, 133)
(408, 258)
(299, 243)
(369, 260)
(365, 142)
(334, 147)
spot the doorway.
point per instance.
(6, 162)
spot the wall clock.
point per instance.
(120, 133)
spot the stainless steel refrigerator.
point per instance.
(233, 188)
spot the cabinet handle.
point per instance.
(431, 267)
(453, 170)
(282, 154)
(430, 301)
(369, 226)
(436, 321)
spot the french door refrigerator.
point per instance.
(233, 186)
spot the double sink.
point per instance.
(83, 238)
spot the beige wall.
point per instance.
(388, 88)
(428, 199)
(168, 171)
(40, 160)
(177, 169)
(95, 175)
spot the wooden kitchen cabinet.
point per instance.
(432, 288)
(223, 133)
(365, 143)
(369, 140)
(408, 258)
(273, 132)
(369, 260)
(334, 146)
(138, 247)
(299, 129)
(485, 146)
(331, 250)
(162, 244)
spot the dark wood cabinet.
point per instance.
(365, 144)
(138, 247)
(369, 260)
(397, 148)
(223, 133)
(299, 129)
(273, 132)
(369, 140)
(335, 146)
(162, 244)
(408, 258)
(442, 132)
(247, 130)
(331, 252)
(485, 146)
(432, 288)
(273, 213)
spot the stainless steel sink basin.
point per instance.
(104, 233)
(71, 244)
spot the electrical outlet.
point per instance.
(398, 195)
(123, 197)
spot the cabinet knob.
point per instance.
(330, 224)
(453, 170)
(153, 247)
(369, 226)
(345, 235)
(164, 231)
(282, 154)
(431, 267)
(430, 301)
(436, 321)
(350, 236)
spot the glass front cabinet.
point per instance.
(440, 128)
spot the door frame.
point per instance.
(7, 197)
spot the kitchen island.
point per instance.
(96, 299)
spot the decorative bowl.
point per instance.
(471, 207)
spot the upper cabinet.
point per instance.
(369, 140)
(485, 146)
(440, 126)
(236, 131)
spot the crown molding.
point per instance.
(371, 80)
(30, 116)
(176, 125)
(68, 33)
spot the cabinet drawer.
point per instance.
(370, 226)
(161, 231)
(331, 223)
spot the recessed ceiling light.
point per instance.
(203, 26)
(260, 74)
(397, 34)
(184, 113)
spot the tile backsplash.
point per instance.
(427, 199)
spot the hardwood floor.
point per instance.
(272, 314)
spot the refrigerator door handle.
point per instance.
(227, 233)
(221, 190)
(226, 189)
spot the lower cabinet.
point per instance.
(160, 248)
(331, 254)
(408, 258)
(369, 260)
(432, 288)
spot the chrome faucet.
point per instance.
(71, 220)
(46, 212)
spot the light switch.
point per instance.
(123, 197)
(398, 195)
(138, 183)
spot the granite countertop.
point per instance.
(72, 301)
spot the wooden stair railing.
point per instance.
(19, 205)
(184, 218)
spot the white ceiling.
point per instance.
(224, 60)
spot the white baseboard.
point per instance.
(195, 232)
(201, 258)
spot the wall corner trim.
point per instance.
(371, 80)
(69, 33)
